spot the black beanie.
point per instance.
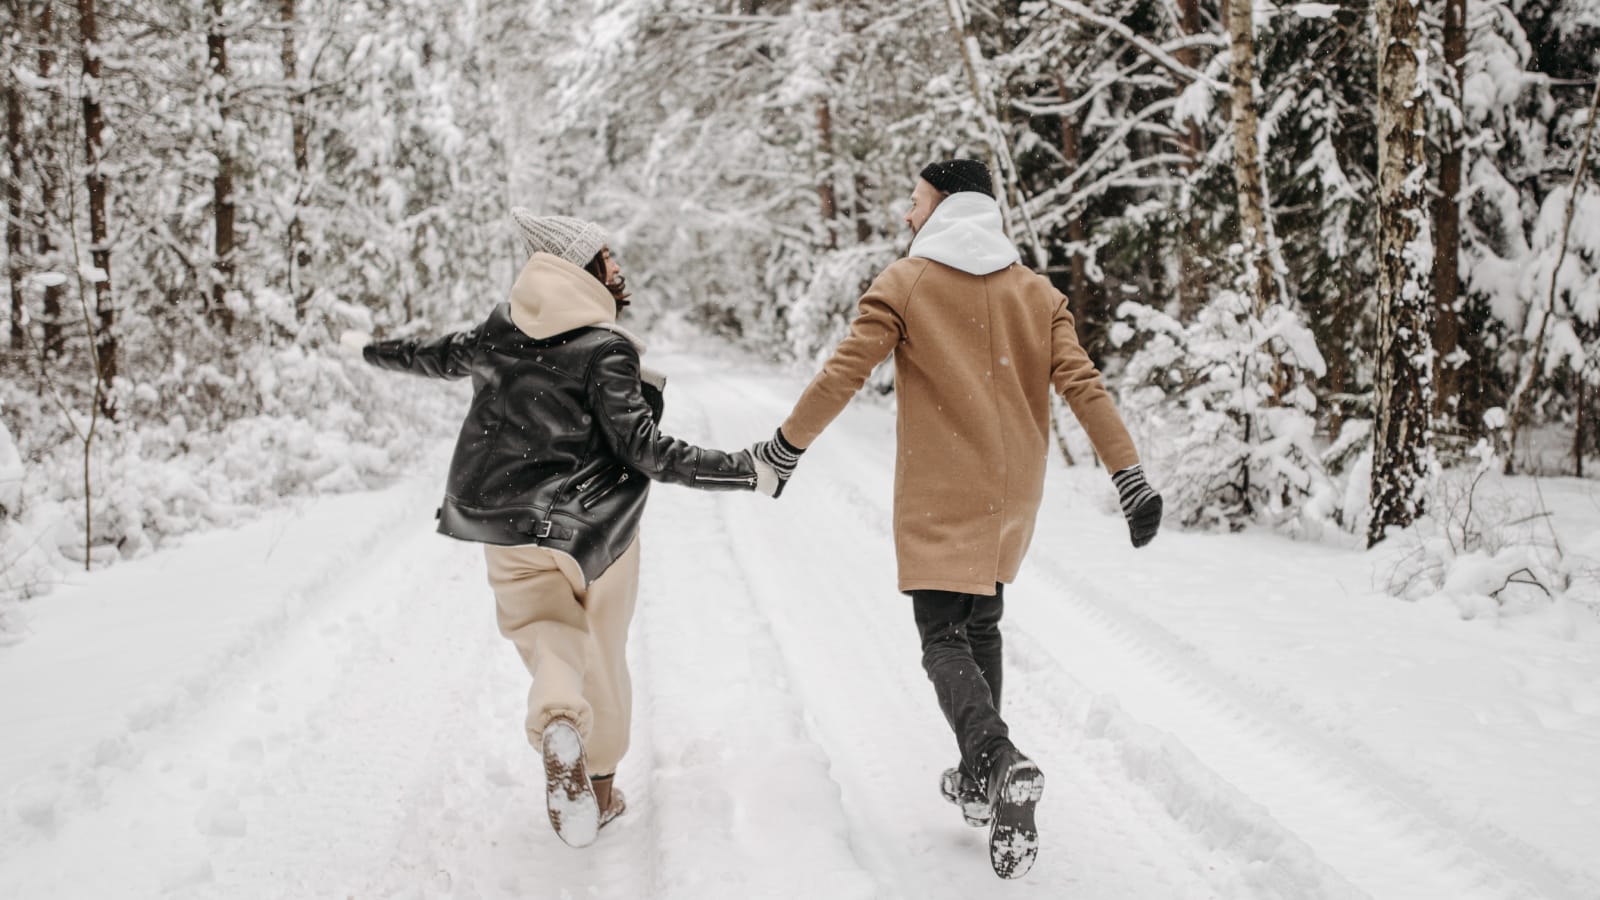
(956, 175)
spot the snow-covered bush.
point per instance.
(1348, 464)
(1231, 387)
(25, 569)
(174, 464)
(1493, 553)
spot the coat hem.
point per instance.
(959, 587)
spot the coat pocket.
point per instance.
(595, 489)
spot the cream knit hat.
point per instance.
(574, 240)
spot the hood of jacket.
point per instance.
(552, 296)
(966, 232)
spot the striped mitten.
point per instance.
(1141, 505)
(781, 457)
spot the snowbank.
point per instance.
(322, 424)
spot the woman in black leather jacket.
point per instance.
(550, 473)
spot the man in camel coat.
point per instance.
(978, 341)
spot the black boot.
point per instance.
(1015, 785)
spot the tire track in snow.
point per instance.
(1362, 818)
(743, 796)
(138, 715)
(1358, 816)
(378, 752)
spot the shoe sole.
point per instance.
(1013, 836)
(569, 798)
(975, 813)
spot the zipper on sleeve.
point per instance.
(745, 480)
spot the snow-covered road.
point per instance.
(318, 705)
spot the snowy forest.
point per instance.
(1337, 261)
(1321, 273)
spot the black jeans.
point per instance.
(961, 654)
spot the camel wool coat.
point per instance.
(975, 358)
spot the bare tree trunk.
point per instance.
(1577, 436)
(825, 195)
(1247, 156)
(1191, 277)
(1447, 225)
(1402, 461)
(222, 184)
(863, 211)
(1077, 233)
(106, 352)
(49, 187)
(16, 141)
(299, 254)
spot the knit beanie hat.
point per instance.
(956, 175)
(574, 240)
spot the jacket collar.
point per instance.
(966, 232)
(633, 339)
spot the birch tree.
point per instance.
(1403, 462)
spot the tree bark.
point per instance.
(1253, 231)
(222, 184)
(299, 254)
(16, 140)
(49, 187)
(1191, 277)
(825, 194)
(1447, 225)
(1077, 233)
(1402, 461)
(105, 339)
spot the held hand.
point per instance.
(1141, 505)
(767, 480)
(778, 457)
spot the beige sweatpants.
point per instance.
(573, 642)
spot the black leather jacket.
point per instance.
(560, 444)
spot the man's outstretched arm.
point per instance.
(1074, 375)
(878, 328)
